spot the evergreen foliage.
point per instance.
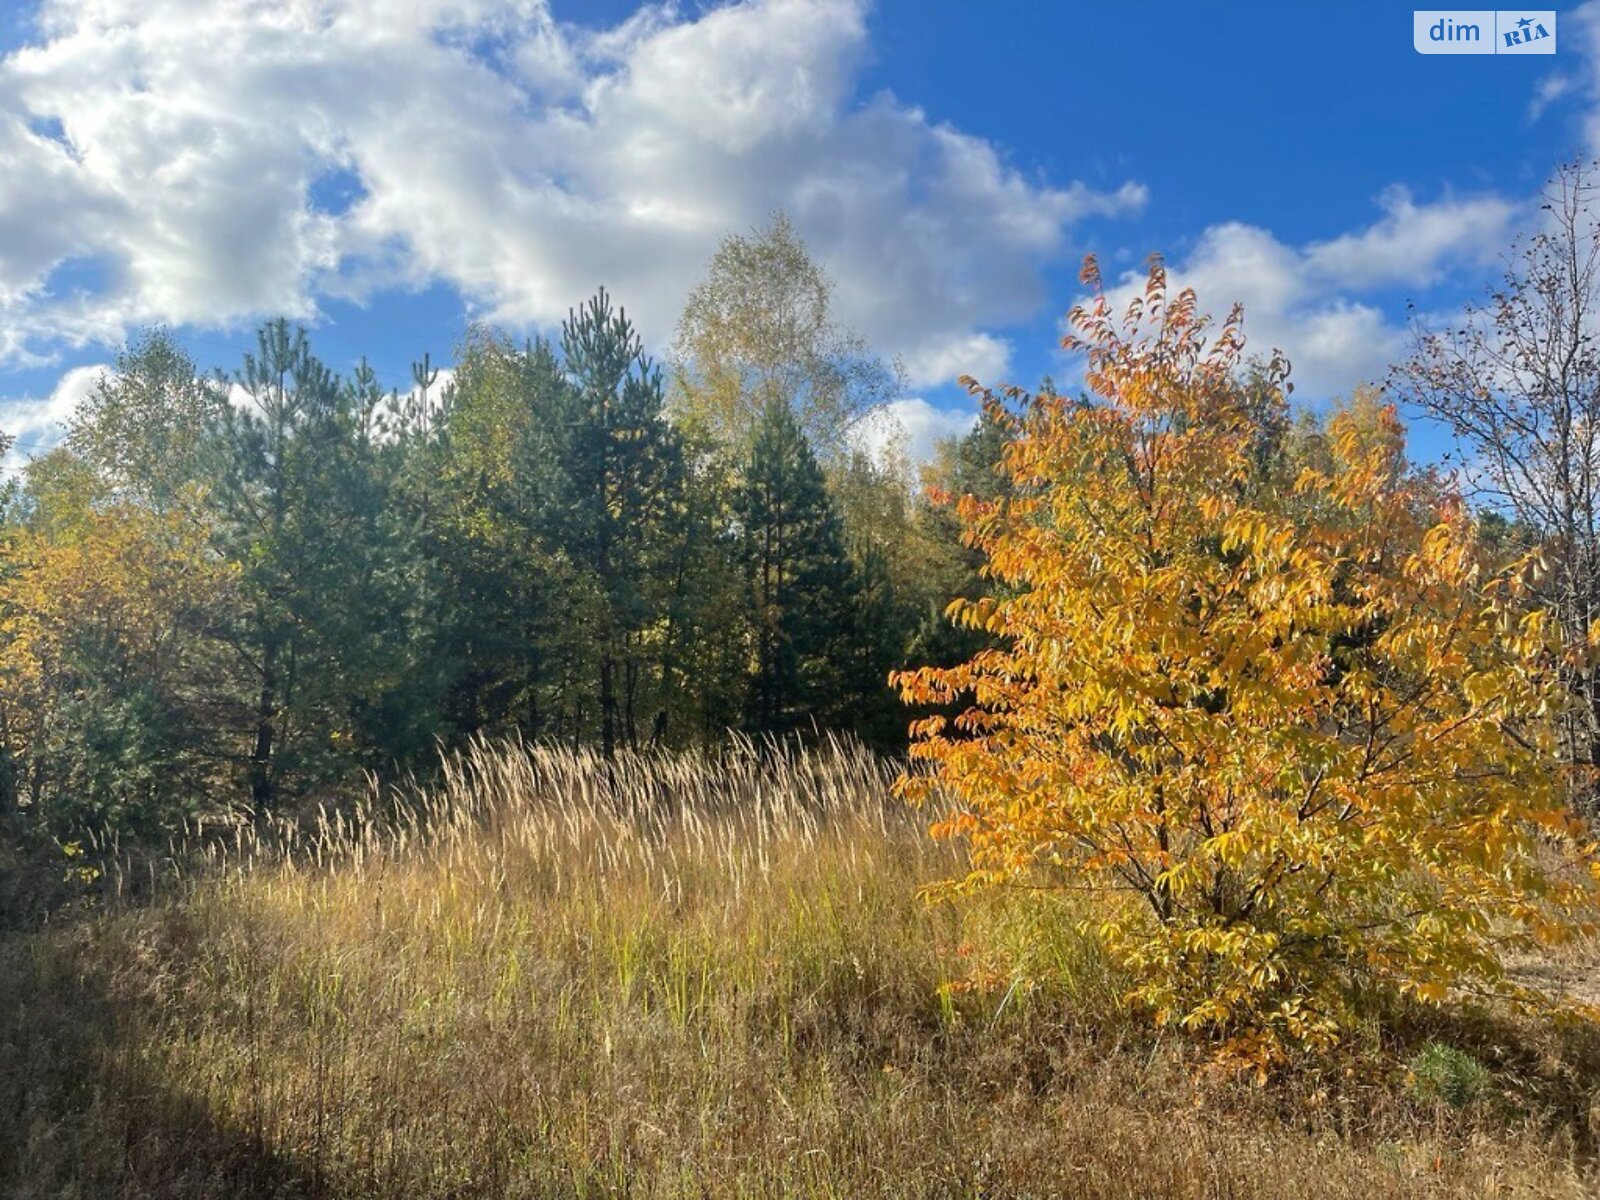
(254, 590)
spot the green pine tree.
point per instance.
(614, 509)
(301, 509)
(801, 583)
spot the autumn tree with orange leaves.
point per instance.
(1282, 719)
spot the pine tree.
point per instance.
(299, 509)
(478, 492)
(620, 467)
(800, 579)
(971, 465)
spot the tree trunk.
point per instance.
(261, 781)
(8, 770)
(608, 707)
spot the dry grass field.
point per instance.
(679, 977)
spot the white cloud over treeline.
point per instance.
(204, 162)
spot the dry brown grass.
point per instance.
(677, 978)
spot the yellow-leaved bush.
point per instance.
(1281, 716)
(92, 592)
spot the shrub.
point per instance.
(1275, 713)
(1441, 1073)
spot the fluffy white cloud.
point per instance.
(913, 426)
(37, 422)
(1414, 243)
(175, 160)
(1306, 300)
(944, 360)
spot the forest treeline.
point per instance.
(257, 586)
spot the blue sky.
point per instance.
(387, 180)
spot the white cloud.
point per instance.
(1549, 90)
(1305, 300)
(1415, 243)
(913, 426)
(1331, 342)
(1580, 32)
(39, 422)
(170, 150)
(944, 360)
(1314, 300)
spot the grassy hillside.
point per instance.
(686, 978)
